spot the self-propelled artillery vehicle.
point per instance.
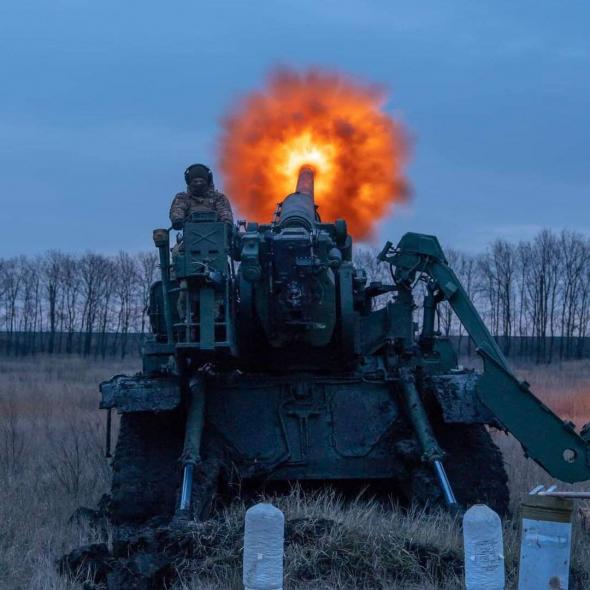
(270, 361)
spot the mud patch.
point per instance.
(155, 557)
(91, 561)
(151, 557)
(328, 544)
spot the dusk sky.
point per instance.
(103, 104)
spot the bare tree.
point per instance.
(94, 271)
(11, 287)
(52, 283)
(71, 285)
(575, 256)
(126, 287)
(148, 266)
(466, 271)
(31, 315)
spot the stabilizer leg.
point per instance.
(431, 450)
(191, 454)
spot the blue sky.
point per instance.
(102, 104)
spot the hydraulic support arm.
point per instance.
(432, 453)
(191, 454)
(551, 442)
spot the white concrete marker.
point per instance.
(484, 549)
(263, 548)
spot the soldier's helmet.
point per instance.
(198, 171)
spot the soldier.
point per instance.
(200, 195)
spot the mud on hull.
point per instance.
(279, 429)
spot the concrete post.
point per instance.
(263, 548)
(484, 549)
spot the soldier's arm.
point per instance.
(223, 208)
(178, 210)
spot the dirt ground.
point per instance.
(52, 461)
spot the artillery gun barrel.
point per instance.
(305, 181)
(298, 209)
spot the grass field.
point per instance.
(52, 461)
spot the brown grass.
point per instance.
(565, 389)
(51, 462)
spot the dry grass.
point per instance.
(362, 544)
(565, 389)
(51, 462)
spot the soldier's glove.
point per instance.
(177, 224)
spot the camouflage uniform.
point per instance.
(184, 204)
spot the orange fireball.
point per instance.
(330, 122)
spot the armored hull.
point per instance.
(300, 427)
(274, 359)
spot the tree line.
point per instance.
(90, 304)
(534, 295)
